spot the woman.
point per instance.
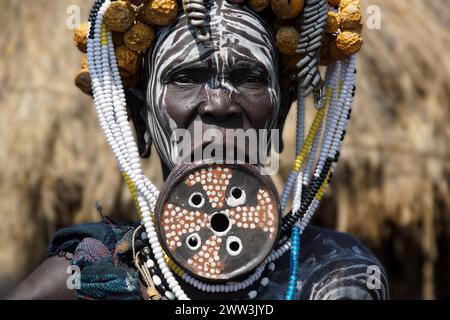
(215, 67)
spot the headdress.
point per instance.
(309, 33)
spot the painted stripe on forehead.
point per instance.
(239, 21)
(265, 47)
(237, 15)
(223, 18)
(192, 54)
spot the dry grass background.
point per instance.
(391, 188)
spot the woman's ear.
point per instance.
(136, 105)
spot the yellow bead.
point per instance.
(322, 188)
(312, 133)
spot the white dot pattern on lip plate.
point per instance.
(260, 216)
(207, 262)
(214, 181)
(177, 221)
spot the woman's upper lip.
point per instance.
(235, 122)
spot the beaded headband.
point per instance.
(309, 33)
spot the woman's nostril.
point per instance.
(231, 117)
(219, 106)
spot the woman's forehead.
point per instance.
(236, 35)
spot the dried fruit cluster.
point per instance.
(132, 23)
(343, 30)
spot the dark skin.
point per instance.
(244, 102)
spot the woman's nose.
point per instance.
(219, 106)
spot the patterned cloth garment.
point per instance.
(103, 253)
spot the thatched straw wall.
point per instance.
(392, 185)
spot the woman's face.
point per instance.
(229, 83)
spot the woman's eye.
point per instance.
(184, 79)
(250, 79)
(188, 77)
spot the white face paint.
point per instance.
(240, 40)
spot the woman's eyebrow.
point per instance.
(189, 66)
(254, 66)
(186, 63)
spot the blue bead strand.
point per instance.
(294, 262)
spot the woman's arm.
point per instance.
(48, 282)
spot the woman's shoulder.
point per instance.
(333, 244)
(336, 265)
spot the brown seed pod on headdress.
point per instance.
(333, 22)
(139, 38)
(287, 40)
(349, 42)
(286, 9)
(345, 3)
(350, 17)
(80, 36)
(83, 81)
(161, 12)
(128, 60)
(117, 38)
(140, 15)
(119, 16)
(357, 28)
(259, 5)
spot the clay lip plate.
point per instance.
(254, 219)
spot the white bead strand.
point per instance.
(108, 93)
